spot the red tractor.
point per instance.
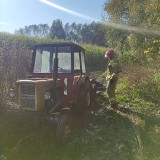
(58, 85)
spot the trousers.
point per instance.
(111, 86)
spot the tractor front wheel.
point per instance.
(63, 130)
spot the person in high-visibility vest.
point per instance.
(112, 76)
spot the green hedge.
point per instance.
(94, 54)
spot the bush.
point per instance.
(95, 57)
(139, 84)
(15, 60)
(2, 79)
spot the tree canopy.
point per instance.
(40, 30)
(57, 30)
(144, 15)
(93, 33)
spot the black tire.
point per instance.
(63, 130)
(78, 108)
(84, 100)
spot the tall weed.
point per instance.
(139, 84)
(15, 60)
(95, 57)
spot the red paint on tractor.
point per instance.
(71, 87)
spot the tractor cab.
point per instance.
(58, 80)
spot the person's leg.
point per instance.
(111, 93)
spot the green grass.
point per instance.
(125, 135)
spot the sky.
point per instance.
(15, 14)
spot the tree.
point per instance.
(44, 30)
(40, 30)
(144, 15)
(116, 39)
(94, 33)
(73, 32)
(57, 30)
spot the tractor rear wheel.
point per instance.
(84, 100)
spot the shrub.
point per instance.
(15, 60)
(139, 84)
(95, 57)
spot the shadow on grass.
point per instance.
(107, 135)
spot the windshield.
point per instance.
(44, 60)
(64, 60)
(77, 64)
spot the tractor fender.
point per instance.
(80, 79)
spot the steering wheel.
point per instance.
(60, 69)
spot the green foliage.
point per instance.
(140, 85)
(93, 33)
(23, 138)
(6, 38)
(73, 32)
(122, 91)
(153, 49)
(113, 135)
(41, 30)
(57, 30)
(116, 38)
(150, 89)
(143, 15)
(95, 57)
(128, 58)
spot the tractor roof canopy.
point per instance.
(74, 46)
(70, 58)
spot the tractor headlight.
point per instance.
(47, 95)
(12, 93)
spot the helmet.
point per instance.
(110, 53)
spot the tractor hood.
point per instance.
(30, 92)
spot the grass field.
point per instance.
(127, 134)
